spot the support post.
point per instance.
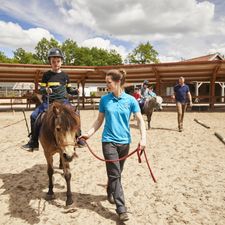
(83, 92)
(157, 76)
(197, 86)
(212, 86)
(36, 80)
(222, 85)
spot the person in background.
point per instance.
(151, 92)
(145, 93)
(137, 94)
(55, 86)
(116, 108)
(145, 89)
(181, 95)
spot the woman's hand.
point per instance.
(48, 90)
(142, 144)
(142, 128)
(84, 136)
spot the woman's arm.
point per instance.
(142, 129)
(97, 124)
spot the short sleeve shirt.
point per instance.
(181, 93)
(117, 112)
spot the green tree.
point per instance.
(4, 58)
(96, 57)
(42, 48)
(83, 57)
(99, 57)
(142, 54)
(70, 49)
(21, 56)
(73, 54)
(114, 58)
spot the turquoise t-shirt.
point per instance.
(117, 112)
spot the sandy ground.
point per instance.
(189, 168)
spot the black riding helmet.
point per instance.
(55, 52)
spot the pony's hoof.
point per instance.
(49, 197)
(69, 202)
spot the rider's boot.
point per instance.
(32, 144)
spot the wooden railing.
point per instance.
(93, 102)
(12, 101)
(198, 99)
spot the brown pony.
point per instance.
(59, 126)
(152, 103)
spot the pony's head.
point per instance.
(63, 124)
(159, 101)
(154, 103)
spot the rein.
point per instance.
(139, 153)
(138, 150)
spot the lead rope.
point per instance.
(139, 153)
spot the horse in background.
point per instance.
(150, 104)
(57, 135)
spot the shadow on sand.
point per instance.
(154, 128)
(29, 184)
(163, 128)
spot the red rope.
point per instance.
(139, 153)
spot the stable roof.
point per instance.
(159, 73)
(210, 57)
(213, 71)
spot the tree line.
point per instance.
(82, 56)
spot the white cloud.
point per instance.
(80, 19)
(130, 17)
(218, 48)
(13, 36)
(104, 44)
(175, 28)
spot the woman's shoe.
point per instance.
(123, 216)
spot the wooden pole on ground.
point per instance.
(220, 137)
(203, 124)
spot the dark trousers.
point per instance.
(114, 151)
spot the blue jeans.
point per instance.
(141, 104)
(42, 108)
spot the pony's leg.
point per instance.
(50, 194)
(60, 163)
(67, 175)
(149, 120)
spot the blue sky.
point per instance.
(177, 29)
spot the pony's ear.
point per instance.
(56, 110)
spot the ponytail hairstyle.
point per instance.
(117, 75)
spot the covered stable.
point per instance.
(162, 75)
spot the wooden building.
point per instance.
(163, 75)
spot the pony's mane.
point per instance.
(69, 120)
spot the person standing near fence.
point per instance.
(116, 108)
(181, 93)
